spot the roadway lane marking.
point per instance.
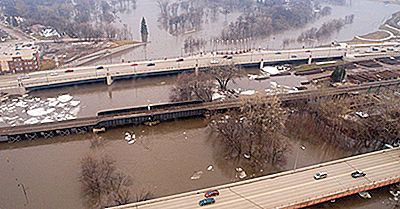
(243, 197)
(306, 184)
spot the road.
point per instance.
(288, 189)
(84, 73)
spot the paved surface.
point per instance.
(85, 73)
(285, 190)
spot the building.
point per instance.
(19, 57)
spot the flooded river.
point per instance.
(368, 16)
(45, 173)
(162, 160)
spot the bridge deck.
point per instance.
(294, 189)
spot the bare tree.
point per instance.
(254, 130)
(224, 74)
(353, 123)
(191, 87)
(102, 184)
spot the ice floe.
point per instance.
(27, 110)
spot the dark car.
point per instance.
(211, 193)
(180, 60)
(278, 52)
(69, 71)
(207, 201)
(357, 174)
(151, 64)
(308, 51)
(229, 57)
(225, 56)
(99, 67)
(134, 64)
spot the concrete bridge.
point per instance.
(293, 189)
(108, 73)
(141, 115)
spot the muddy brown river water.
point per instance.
(162, 160)
(165, 156)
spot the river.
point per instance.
(368, 16)
(165, 156)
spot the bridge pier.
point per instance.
(262, 63)
(310, 59)
(109, 79)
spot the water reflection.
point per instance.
(368, 16)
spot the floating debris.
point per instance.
(210, 168)
(196, 175)
(99, 130)
(248, 92)
(64, 98)
(240, 173)
(247, 156)
(365, 195)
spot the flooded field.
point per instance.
(368, 16)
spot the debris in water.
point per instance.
(240, 173)
(247, 156)
(210, 168)
(64, 98)
(196, 175)
(248, 92)
(365, 195)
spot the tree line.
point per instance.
(79, 18)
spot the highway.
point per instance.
(293, 189)
(141, 67)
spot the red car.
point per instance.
(134, 64)
(69, 71)
(211, 193)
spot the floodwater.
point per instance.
(165, 156)
(162, 161)
(368, 16)
(154, 90)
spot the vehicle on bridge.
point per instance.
(99, 67)
(180, 60)
(207, 201)
(151, 64)
(214, 61)
(211, 193)
(69, 71)
(357, 174)
(320, 175)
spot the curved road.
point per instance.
(290, 189)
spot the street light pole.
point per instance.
(302, 147)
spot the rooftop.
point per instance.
(17, 49)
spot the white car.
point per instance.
(214, 61)
(53, 74)
(24, 76)
(320, 175)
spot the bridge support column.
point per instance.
(262, 63)
(109, 79)
(196, 70)
(310, 60)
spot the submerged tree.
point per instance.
(224, 74)
(143, 30)
(254, 130)
(102, 184)
(190, 86)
